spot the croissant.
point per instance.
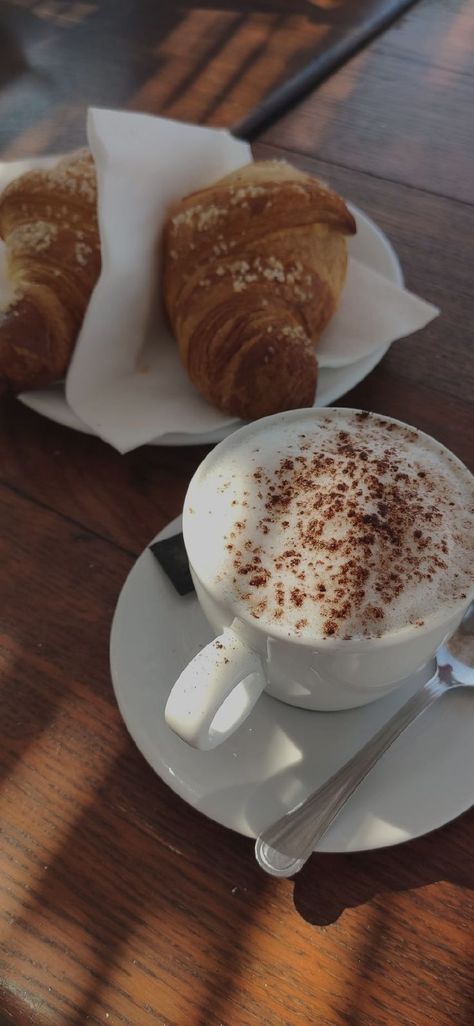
(253, 269)
(48, 221)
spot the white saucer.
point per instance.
(281, 753)
(369, 245)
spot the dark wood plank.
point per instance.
(125, 498)
(394, 116)
(121, 904)
(439, 31)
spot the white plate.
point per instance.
(281, 753)
(369, 245)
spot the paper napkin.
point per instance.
(126, 380)
(372, 313)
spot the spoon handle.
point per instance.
(283, 848)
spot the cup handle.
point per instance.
(216, 692)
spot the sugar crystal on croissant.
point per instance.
(253, 269)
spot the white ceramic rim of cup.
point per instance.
(447, 612)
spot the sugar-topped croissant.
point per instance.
(253, 269)
(48, 221)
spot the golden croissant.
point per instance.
(48, 221)
(253, 269)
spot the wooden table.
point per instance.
(120, 905)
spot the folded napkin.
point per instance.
(373, 312)
(126, 381)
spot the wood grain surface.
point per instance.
(120, 905)
(395, 115)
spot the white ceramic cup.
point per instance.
(218, 689)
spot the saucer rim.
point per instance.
(180, 787)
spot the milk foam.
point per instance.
(333, 524)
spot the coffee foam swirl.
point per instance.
(345, 525)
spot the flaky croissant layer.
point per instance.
(253, 269)
(48, 222)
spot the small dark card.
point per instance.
(172, 557)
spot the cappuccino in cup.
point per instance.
(332, 553)
(349, 526)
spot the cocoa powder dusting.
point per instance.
(349, 529)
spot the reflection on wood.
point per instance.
(427, 113)
(212, 64)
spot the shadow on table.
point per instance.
(396, 921)
(127, 883)
(330, 884)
